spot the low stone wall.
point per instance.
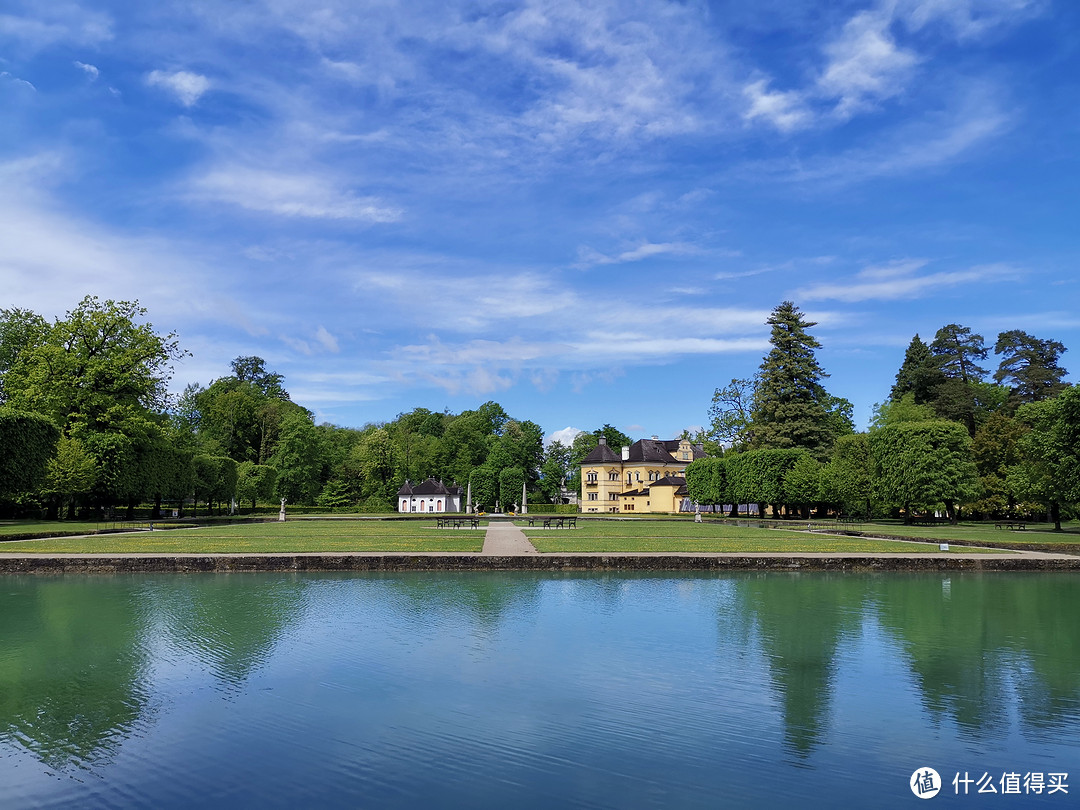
(217, 563)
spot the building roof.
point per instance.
(670, 481)
(602, 454)
(429, 487)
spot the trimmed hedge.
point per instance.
(27, 442)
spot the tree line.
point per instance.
(947, 438)
(87, 424)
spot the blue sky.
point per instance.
(582, 210)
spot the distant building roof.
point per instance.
(601, 454)
(429, 487)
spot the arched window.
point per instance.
(438, 506)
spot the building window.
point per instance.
(614, 496)
(592, 496)
(591, 478)
(613, 476)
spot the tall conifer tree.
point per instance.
(1029, 366)
(790, 405)
(918, 375)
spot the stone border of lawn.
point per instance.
(435, 561)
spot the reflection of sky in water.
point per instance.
(489, 689)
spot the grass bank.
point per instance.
(267, 538)
(626, 536)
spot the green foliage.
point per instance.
(377, 505)
(95, 360)
(919, 375)
(757, 476)
(847, 480)
(996, 449)
(802, 482)
(899, 411)
(956, 349)
(553, 509)
(335, 494)
(255, 482)
(511, 481)
(484, 483)
(1029, 367)
(300, 459)
(791, 408)
(27, 442)
(922, 465)
(1049, 470)
(730, 415)
(72, 472)
(707, 481)
(19, 329)
(215, 478)
(555, 470)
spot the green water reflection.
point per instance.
(80, 658)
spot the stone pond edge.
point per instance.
(390, 562)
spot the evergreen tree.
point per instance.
(1029, 366)
(919, 374)
(956, 350)
(791, 408)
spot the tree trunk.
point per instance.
(53, 511)
(180, 508)
(734, 510)
(950, 510)
(130, 509)
(1055, 515)
(157, 508)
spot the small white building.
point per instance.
(429, 496)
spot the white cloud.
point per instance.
(328, 341)
(17, 81)
(865, 64)
(186, 86)
(923, 144)
(968, 18)
(45, 24)
(587, 257)
(565, 437)
(290, 194)
(784, 110)
(898, 281)
(89, 70)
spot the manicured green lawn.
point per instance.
(261, 538)
(977, 532)
(614, 536)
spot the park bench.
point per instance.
(1011, 526)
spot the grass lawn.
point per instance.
(614, 536)
(977, 532)
(262, 538)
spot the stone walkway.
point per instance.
(505, 538)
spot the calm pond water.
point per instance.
(512, 690)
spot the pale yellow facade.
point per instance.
(629, 479)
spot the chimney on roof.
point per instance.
(656, 438)
(625, 453)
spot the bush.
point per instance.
(553, 509)
(376, 505)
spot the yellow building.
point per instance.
(647, 476)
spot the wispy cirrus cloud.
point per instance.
(901, 280)
(289, 194)
(587, 257)
(865, 63)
